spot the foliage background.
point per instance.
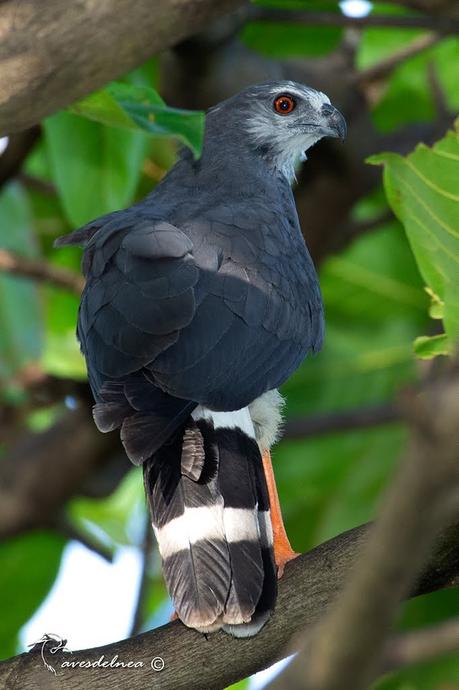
(376, 306)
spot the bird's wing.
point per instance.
(258, 309)
(216, 312)
(138, 296)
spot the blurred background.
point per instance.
(77, 557)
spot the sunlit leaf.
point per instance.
(427, 347)
(422, 190)
(140, 107)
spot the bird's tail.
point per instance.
(210, 512)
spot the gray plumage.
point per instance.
(205, 294)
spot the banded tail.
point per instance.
(210, 512)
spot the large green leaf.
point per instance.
(28, 567)
(20, 308)
(139, 107)
(95, 168)
(423, 192)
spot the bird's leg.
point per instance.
(283, 552)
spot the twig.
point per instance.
(19, 147)
(441, 24)
(348, 420)
(193, 662)
(345, 651)
(438, 95)
(37, 184)
(422, 645)
(147, 549)
(64, 527)
(383, 68)
(437, 8)
(40, 270)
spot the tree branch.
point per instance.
(53, 53)
(347, 420)
(193, 661)
(383, 68)
(441, 24)
(40, 270)
(422, 645)
(42, 471)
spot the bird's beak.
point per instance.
(335, 123)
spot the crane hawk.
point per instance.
(200, 301)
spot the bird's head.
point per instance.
(279, 121)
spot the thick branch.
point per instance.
(52, 53)
(193, 661)
(40, 270)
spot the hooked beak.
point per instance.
(335, 124)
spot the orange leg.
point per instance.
(283, 552)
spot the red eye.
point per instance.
(284, 104)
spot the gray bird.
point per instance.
(200, 301)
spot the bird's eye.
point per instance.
(284, 104)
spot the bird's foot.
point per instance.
(283, 552)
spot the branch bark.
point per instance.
(193, 661)
(52, 53)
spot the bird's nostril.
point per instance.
(327, 109)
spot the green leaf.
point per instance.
(281, 40)
(112, 519)
(20, 308)
(28, 567)
(427, 347)
(139, 107)
(422, 190)
(102, 107)
(147, 109)
(95, 168)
